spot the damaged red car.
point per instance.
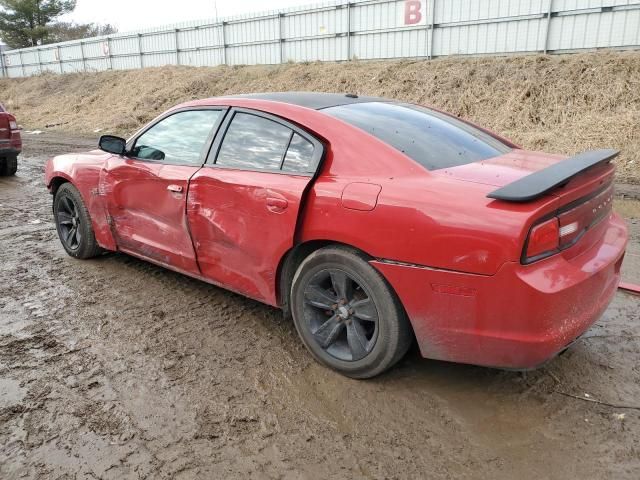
(372, 222)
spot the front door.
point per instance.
(243, 205)
(146, 190)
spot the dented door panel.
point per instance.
(242, 223)
(146, 207)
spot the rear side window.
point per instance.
(431, 138)
(254, 142)
(299, 156)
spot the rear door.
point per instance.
(146, 191)
(243, 205)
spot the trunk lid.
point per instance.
(517, 164)
(582, 202)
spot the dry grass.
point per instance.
(560, 104)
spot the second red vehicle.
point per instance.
(10, 143)
(371, 221)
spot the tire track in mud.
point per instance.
(115, 368)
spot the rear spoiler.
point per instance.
(538, 183)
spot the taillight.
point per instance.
(568, 226)
(543, 240)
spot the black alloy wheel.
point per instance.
(346, 313)
(68, 220)
(342, 317)
(73, 223)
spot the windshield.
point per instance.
(431, 138)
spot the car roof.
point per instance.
(313, 100)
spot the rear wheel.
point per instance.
(74, 223)
(347, 315)
(8, 165)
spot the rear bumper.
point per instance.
(518, 318)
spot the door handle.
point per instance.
(276, 204)
(175, 188)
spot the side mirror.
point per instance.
(111, 144)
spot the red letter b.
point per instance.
(412, 13)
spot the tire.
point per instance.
(8, 166)
(366, 331)
(73, 223)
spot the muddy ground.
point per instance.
(117, 369)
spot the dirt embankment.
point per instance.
(552, 103)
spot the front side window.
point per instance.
(431, 138)
(253, 143)
(179, 138)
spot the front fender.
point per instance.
(84, 172)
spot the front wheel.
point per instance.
(347, 315)
(74, 223)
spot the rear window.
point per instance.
(431, 138)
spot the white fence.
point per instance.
(341, 30)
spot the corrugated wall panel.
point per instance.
(48, 55)
(50, 67)
(490, 38)
(564, 5)
(324, 49)
(12, 60)
(201, 37)
(253, 54)
(72, 67)
(70, 52)
(377, 16)
(412, 43)
(97, 65)
(201, 58)
(255, 31)
(15, 72)
(31, 70)
(161, 42)
(317, 23)
(119, 46)
(451, 11)
(128, 62)
(595, 30)
(95, 49)
(159, 59)
(29, 57)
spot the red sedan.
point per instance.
(371, 221)
(10, 143)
